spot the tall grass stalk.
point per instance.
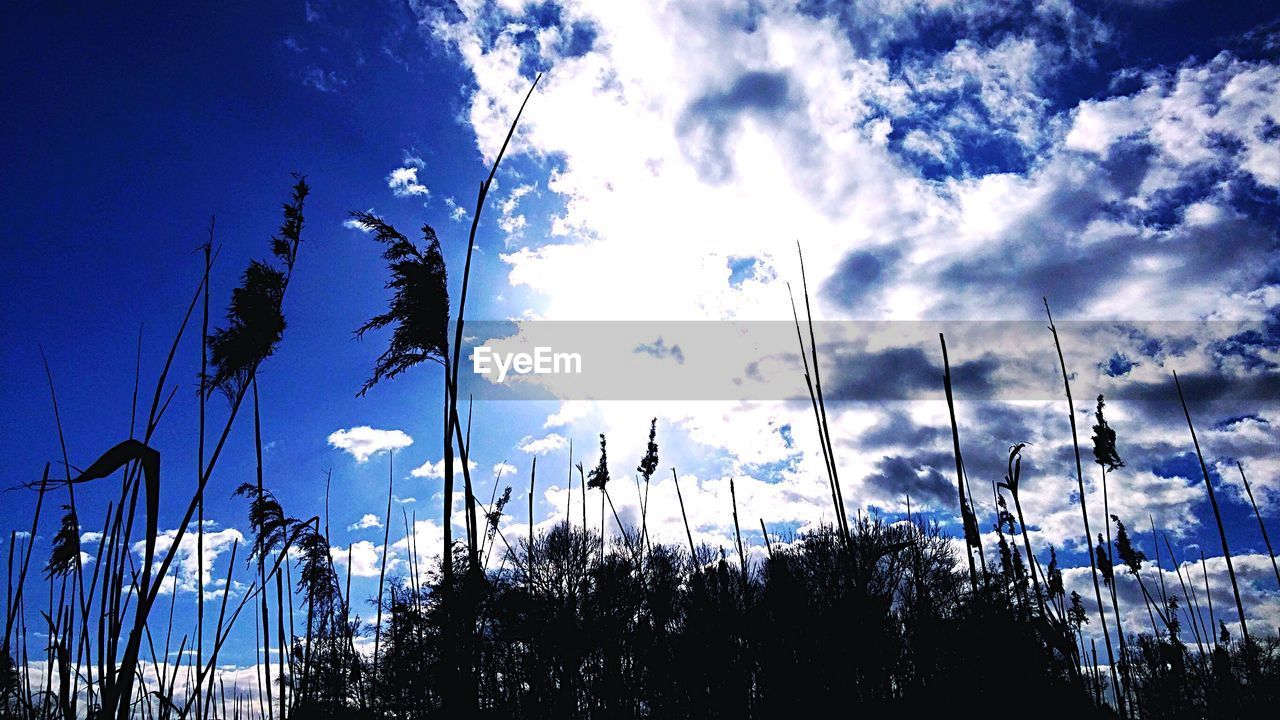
(420, 310)
(1192, 607)
(1217, 514)
(1013, 483)
(1108, 459)
(1155, 543)
(972, 538)
(533, 474)
(1262, 527)
(240, 364)
(693, 553)
(15, 596)
(764, 532)
(262, 577)
(828, 457)
(737, 533)
(202, 400)
(461, 320)
(825, 429)
(1213, 620)
(77, 568)
(1084, 514)
(382, 568)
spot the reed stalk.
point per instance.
(1084, 513)
(1217, 515)
(1262, 527)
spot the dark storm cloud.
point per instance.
(860, 274)
(1251, 347)
(708, 121)
(1218, 395)
(918, 476)
(1032, 261)
(897, 429)
(1041, 254)
(763, 92)
(902, 373)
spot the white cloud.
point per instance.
(1186, 115)
(236, 679)
(569, 412)
(368, 520)
(1253, 574)
(457, 213)
(426, 542)
(364, 442)
(435, 470)
(362, 559)
(511, 222)
(353, 224)
(543, 445)
(1007, 78)
(754, 136)
(326, 81)
(403, 182)
(681, 141)
(186, 573)
(939, 147)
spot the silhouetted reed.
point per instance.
(1084, 513)
(876, 615)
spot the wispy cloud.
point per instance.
(353, 224)
(412, 159)
(403, 182)
(512, 222)
(457, 213)
(326, 81)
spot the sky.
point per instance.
(945, 161)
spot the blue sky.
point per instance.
(941, 161)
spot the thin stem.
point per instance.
(967, 517)
(1261, 526)
(1217, 514)
(1084, 512)
(693, 554)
